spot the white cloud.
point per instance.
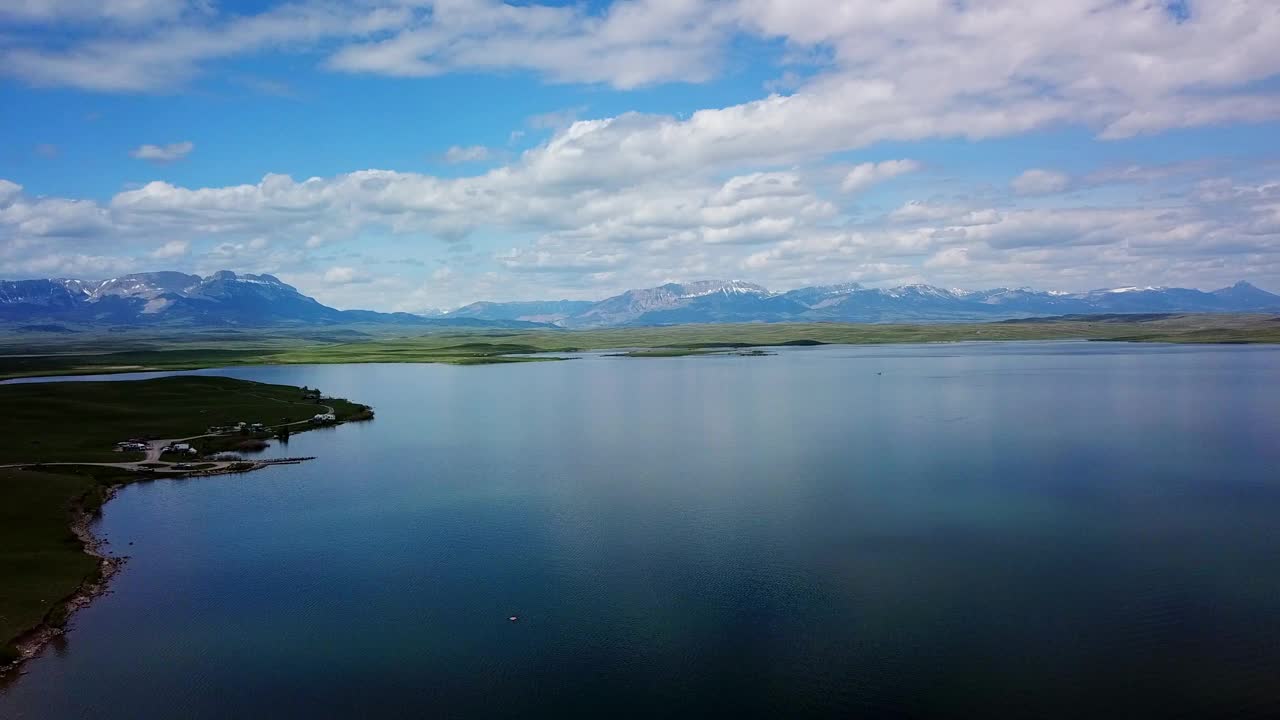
(249, 253)
(556, 119)
(916, 211)
(630, 44)
(773, 227)
(9, 192)
(900, 70)
(636, 198)
(344, 276)
(171, 249)
(164, 56)
(73, 265)
(163, 153)
(459, 154)
(43, 217)
(744, 208)
(950, 258)
(87, 11)
(1040, 182)
(867, 174)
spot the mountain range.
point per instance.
(738, 301)
(227, 299)
(173, 298)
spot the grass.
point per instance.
(82, 421)
(42, 563)
(136, 349)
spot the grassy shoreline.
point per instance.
(170, 350)
(50, 563)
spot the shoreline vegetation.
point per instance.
(142, 350)
(59, 465)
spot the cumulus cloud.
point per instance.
(24, 218)
(589, 240)
(163, 153)
(636, 197)
(867, 174)
(744, 208)
(894, 71)
(1040, 182)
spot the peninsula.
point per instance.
(65, 447)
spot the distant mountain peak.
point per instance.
(226, 298)
(1245, 286)
(839, 288)
(173, 298)
(698, 288)
(1245, 292)
(709, 301)
(1149, 288)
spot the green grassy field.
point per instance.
(42, 563)
(21, 355)
(82, 421)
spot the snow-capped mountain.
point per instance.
(630, 306)
(227, 299)
(822, 295)
(171, 298)
(712, 301)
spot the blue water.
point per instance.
(1018, 530)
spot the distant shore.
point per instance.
(168, 350)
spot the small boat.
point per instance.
(513, 618)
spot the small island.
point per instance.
(65, 447)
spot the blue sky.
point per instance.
(413, 155)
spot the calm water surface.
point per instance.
(1018, 530)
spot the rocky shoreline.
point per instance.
(30, 644)
(33, 641)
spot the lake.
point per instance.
(965, 530)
